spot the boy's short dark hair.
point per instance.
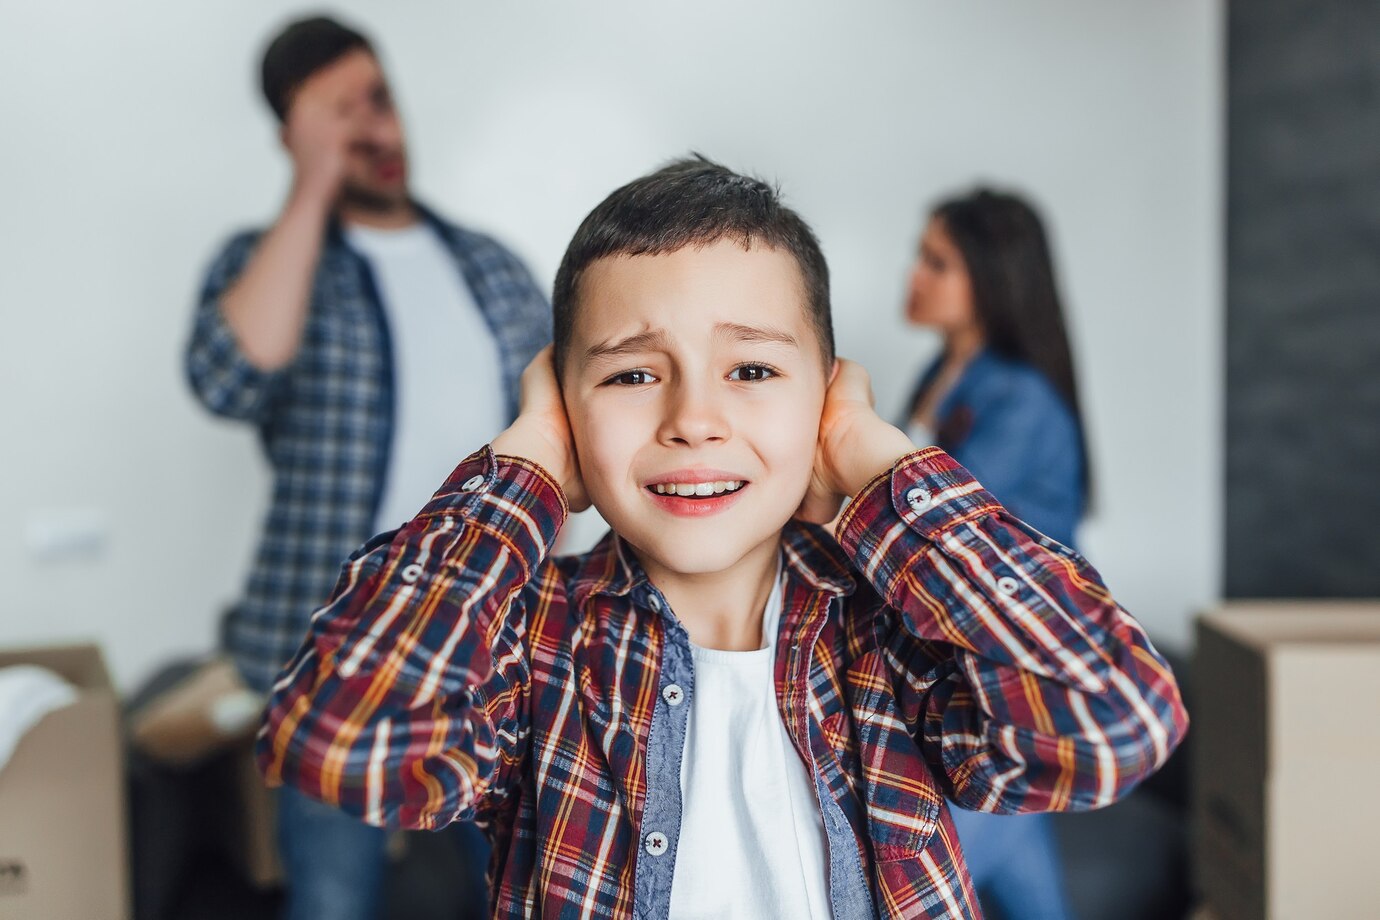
(299, 51)
(692, 202)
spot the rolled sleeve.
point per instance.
(220, 375)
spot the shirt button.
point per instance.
(672, 694)
(412, 573)
(1008, 585)
(474, 482)
(656, 843)
(919, 499)
(653, 601)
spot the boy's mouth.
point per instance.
(695, 493)
(697, 489)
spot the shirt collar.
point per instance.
(813, 560)
(335, 231)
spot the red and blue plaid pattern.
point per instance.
(940, 650)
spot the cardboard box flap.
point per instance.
(1267, 624)
(80, 665)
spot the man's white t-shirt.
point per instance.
(752, 842)
(448, 393)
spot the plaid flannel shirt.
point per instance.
(940, 650)
(326, 420)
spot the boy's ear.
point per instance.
(833, 372)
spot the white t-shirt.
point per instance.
(447, 380)
(752, 842)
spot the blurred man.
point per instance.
(372, 344)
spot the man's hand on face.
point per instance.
(541, 432)
(321, 123)
(855, 444)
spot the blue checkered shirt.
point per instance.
(326, 420)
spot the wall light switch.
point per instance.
(67, 534)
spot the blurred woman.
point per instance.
(1002, 399)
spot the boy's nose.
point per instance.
(693, 418)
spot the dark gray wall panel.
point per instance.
(1303, 299)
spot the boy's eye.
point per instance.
(631, 378)
(750, 372)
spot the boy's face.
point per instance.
(689, 373)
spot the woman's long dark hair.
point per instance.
(1006, 253)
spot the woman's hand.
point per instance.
(855, 444)
(541, 432)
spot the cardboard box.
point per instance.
(62, 808)
(188, 725)
(1287, 753)
(252, 834)
(250, 828)
(208, 711)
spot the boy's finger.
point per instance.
(853, 382)
(539, 379)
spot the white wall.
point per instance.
(135, 141)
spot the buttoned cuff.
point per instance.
(512, 497)
(926, 492)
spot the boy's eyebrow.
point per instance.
(658, 340)
(741, 333)
(651, 340)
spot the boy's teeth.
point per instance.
(698, 489)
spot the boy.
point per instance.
(718, 711)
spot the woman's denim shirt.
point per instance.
(1007, 424)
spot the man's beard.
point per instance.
(364, 199)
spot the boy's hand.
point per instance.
(855, 444)
(541, 432)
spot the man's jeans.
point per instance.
(1014, 861)
(334, 863)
